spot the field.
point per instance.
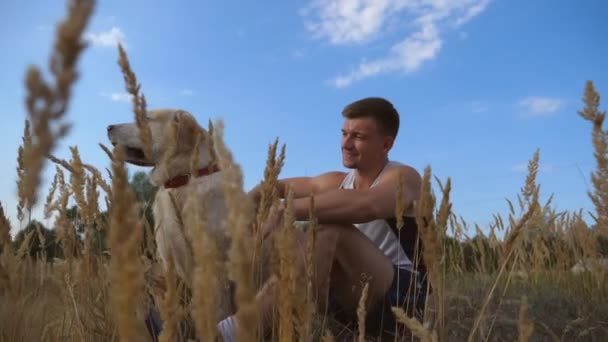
(536, 275)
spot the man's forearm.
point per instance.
(336, 206)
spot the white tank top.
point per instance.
(379, 231)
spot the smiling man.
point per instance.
(358, 239)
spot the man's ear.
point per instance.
(388, 143)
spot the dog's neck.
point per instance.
(179, 166)
(181, 180)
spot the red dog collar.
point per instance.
(182, 180)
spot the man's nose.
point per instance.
(347, 143)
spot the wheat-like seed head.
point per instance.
(21, 171)
(432, 232)
(169, 306)
(47, 104)
(207, 271)
(48, 204)
(241, 262)
(77, 181)
(5, 228)
(269, 192)
(139, 101)
(361, 312)
(308, 311)
(599, 178)
(98, 179)
(513, 239)
(286, 249)
(418, 329)
(525, 326)
(126, 269)
(63, 226)
(107, 151)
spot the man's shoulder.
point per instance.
(332, 176)
(329, 180)
(398, 169)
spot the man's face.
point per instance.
(362, 143)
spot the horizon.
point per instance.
(480, 86)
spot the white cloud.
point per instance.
(298, 53)
(186, 92)
(541, 106)
(356, 22)
(478, 107)
(471, 12)
(117, 97)
(109, 38)
(348, 21)
(44, 27)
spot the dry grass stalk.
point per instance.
(5, 229)
(418, 329)
(92, 197)
(591, 112)
(308, 311)
(49, 204)
(91, 216)
(206, 278)
(241, 263)
(511, 243)
(47, 104)
(525, 326)
(65, 230)
(98, 178)
(269, 191)
(169, 307)
(328, 336)
(207, 272)
(61, 162)
(210, 144)
(77, 181)
(432, 233)
(286, 248)
(107, 151)
(24, 248)
(361, 311)
(21, 172)
(139, 102)
(126, 268)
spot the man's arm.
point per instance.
(358, 206)
(303, 186)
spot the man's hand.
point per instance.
(274, 219)
(255, 195)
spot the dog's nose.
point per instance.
(110, 128)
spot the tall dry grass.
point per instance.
(510, 281)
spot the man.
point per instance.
(357, 234)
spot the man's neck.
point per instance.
(364, 178)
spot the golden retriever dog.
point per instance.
(174, 135)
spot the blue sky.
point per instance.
(480, 85)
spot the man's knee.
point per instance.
(328, 235)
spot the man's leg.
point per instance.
(357, 262)
(345, 259)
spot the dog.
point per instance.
(174, 135)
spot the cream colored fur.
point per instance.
(174, 134)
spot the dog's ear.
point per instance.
(187, 130)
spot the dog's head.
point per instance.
(174, 133)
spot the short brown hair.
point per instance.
(380, 109)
